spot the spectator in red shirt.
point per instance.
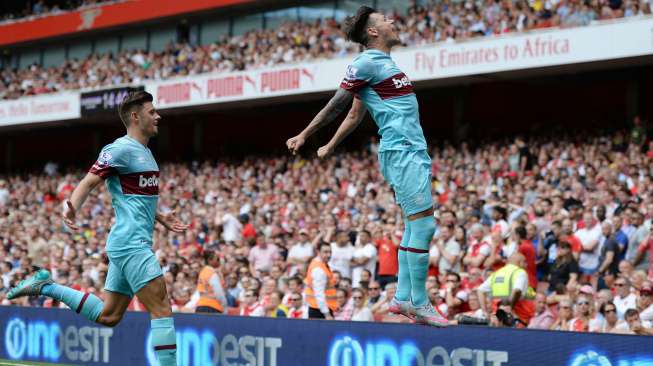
(569, 237)
(528, 251)
(388, 265)
(248, 232)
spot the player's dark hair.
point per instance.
(355, 27)
(132, 101)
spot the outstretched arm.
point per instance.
(353, 119)
(336, 105)
(78, 197)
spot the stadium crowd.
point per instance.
(303, 41)
(578, 210)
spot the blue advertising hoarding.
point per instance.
(54, 335)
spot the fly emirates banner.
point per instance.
(536, 49)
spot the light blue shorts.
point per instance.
(130, 270)
(409, 175)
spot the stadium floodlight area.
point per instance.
(60, 337)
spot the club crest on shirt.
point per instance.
(105, 157)
(351, 72)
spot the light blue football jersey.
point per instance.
(132, 178)
(388, 94)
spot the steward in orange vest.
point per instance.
(320, 290)
(209, 286)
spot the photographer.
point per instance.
(510, 286)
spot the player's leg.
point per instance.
(164, 340)
(414, 196)
(145, 277)
(400, 304)
(118, 296)
(115, 306)
(41, 283)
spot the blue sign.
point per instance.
(62, 336)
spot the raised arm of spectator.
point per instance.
(78, 197)
(353, 119)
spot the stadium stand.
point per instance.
(304, 41)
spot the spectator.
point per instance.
(543, 318)
(361, 312)
(645, 302)
(345, 307)
(364, 257)
(343, 252)
(455, 297)
(274, 308)
(636, 325)
(478, 250)
(388, 261)
(612, 323)
(624, 299)
(589, 236)
(251, 305)
(609, 249)
(297, 309)
(374, 293)
(301, 253)
(448, 251)
(565, 314)
(565, 268)
(262, 256)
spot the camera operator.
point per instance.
(509, 285)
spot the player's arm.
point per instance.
(334, 107)
(353, 119)
(78, 197)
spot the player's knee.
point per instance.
(109, 320)
(422, 230)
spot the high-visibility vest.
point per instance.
(502, 282)
(330, 291)
(207, 297)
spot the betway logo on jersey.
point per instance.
(140, 183)
(394, 86)
(145, 182)
(401, 82)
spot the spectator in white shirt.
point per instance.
(624, 299)
(589, 238)
(231, 227)
(297, 309)
(252, 307)
(341, 254)
(645, 302)
(449, 251)
(301, 253)
(364, 257)
(361, 312)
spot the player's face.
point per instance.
(387, 32)
(148, 120)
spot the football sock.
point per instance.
(403, 282)
(164, 341)
(83, 303)
(417, 253)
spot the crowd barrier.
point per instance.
(61, 336)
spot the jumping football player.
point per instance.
(373, 82)
(132, 178)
